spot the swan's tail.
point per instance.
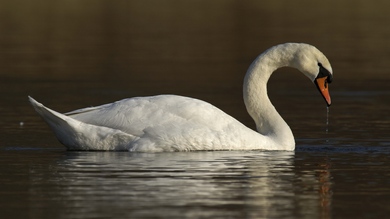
(62, 126)
(76, 135)
(51, 117)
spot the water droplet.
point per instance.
(327, 124)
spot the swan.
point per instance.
(167, 123)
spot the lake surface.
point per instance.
(73, 54)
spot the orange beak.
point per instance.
(322, 85)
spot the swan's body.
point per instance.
(176, 123)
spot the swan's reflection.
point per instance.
(229, 184)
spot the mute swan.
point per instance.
(175, 123)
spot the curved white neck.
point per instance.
(268, 121)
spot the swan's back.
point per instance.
(134, 115)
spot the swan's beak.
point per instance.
(322, 85)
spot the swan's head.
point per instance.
(313, 63)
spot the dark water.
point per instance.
(72, 54)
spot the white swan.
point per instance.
(176, 123)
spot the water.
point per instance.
(73, 54)
(312, 182)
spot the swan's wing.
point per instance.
(169, 121)
(134, 115)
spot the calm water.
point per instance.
(72, 54)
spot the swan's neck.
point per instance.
(268, 121)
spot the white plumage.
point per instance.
(176, 123)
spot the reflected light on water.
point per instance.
(228, 184)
